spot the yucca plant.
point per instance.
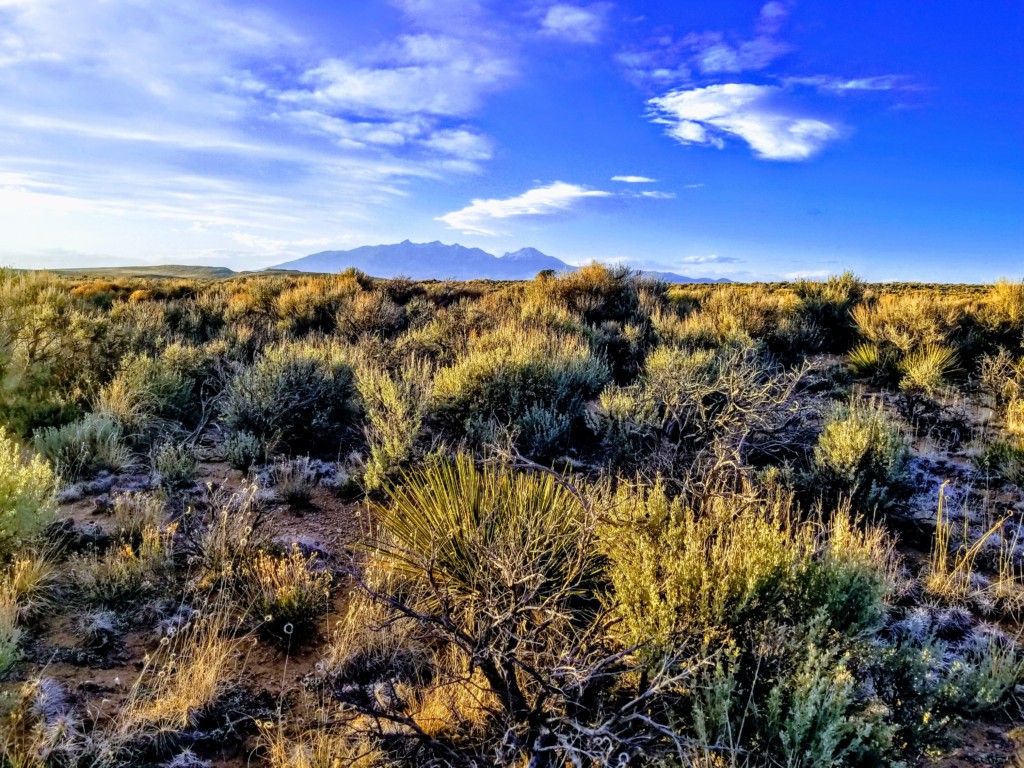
(925, 370)
(865, 360)
(487, 531)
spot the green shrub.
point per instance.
(535, 383)
(627, 422)
(10, 632)
(175, 465)
(85, 447)
(395, 404)
(27, 495)
(815, 715)
(294, 480)
(827, 306)
(146, 392)
(784, 602)
(243, 450)
(861, 455)
(1003, 460)
(986, 674)
(299, 395)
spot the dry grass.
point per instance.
(317, 746)
(951, 568)
(286, 592)
(182, 679)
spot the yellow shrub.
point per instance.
(27, 495)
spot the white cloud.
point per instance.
(147, 127)
(417, 74)
(656, 195)
(844, 85)
(634, 179)
(666, 60)
(746, 56)
(709, 259)
(577, 24)
(752, 113)
(481, 216)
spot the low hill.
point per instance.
(173, 271)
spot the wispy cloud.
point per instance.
(634, 179)
(709, 259)
(482, 217)
(417, 74)
(669, 60)
(576, 23)
(843, 85)
(753, 113)
(131, 122)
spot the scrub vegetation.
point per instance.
(585, 520)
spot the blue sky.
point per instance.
(743, 139)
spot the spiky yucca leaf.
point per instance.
(926, 369)
(865, 360)
(487, 530)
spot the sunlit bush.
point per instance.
(861, 454)
(907, 322)
(287, 593)
(534, 383)
(27, 495)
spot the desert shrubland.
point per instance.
(587, 519)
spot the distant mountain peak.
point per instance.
(438, 261)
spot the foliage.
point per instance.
(128, 571)
(175, 465)
(294, 480)
(908, 322)
(288, 592)
(860, 454)
(27, 500)
(533, 382)
(827, 306)
(243, 450)
(395, 405)
(85, 447)
(926, 369)
(299, 394)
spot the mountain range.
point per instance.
(436, 260)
